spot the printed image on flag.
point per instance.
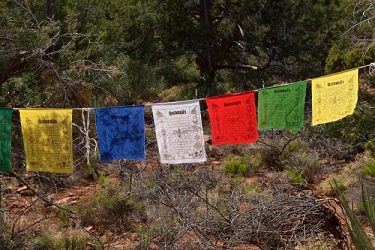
(233, 118)
(179, 132)
(282, 106)
(5, 132)
(121, 133)
(334, 96)
(47, 137)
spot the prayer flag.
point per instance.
(121, 133)
(47, 137)
(282, 106)
(334, 96)
(179, 132)
(5, 130)
(233, 118)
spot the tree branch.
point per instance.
(20, 179)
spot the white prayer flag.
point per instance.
(179, 132)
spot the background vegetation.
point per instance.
(276, 193)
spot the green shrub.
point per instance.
(235, 167)
(358, 235)
(5, 235)
(114, 206)
(144, 235)
(296, 145)
(177, 93)
(71, 242)
(353, 132)
(253, 162)
(64, 216)
(270, 157)
(45, 241)
(235, 182)
(369, 169)
(370, 147)
(67, 241)
(101, 179)
(254, 190)
(295, 176)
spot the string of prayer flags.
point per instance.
(47, 137)
(121, 133)
(282, 106)
(5, 132)
(233, 118)
(179, 132)
(47, 133)
(334, 96)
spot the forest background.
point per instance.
(91, 53)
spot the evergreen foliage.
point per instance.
(220, 46)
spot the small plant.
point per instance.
(114, 202)
(242, 166)
(149, 184)
(293, 146)
(369, 169)
(270, 157)
(71, 242)
(5, 236)
(295, 176)
(328, 189)
(253, 163)
(235, 182)
(144, 235)
(359, 206)
(254, 190)
(360, 239)
(177, 174)
(235, 167)
(339, 185)
(63, 216)
(45, 241)
(89, 171)
(370, 147)
(101, 180)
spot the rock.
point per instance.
(19, 190)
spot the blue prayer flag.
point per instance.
(121, 133)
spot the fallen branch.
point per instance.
(20, 179)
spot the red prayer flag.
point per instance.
(233, 118)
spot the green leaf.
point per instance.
(357, 233)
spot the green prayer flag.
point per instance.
(282, 106)
(5, 128)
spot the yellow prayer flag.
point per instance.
(47, 137)
(334, 96)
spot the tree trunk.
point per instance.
(206, 60)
